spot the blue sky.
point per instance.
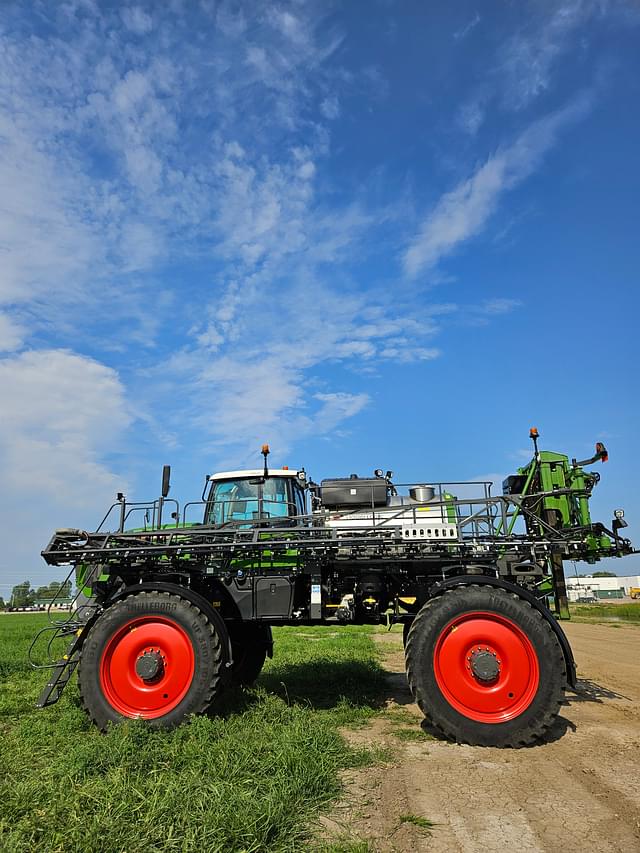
(373, 234)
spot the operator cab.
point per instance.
(249, 496)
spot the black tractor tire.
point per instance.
(249, 646)
(485, 667)
(152, 656)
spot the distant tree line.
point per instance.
(23, 595)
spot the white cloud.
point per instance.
(101, 168)
(495, 307)
(463, 212)
(464, 31)
(12, 334)
(59, 411)
(261, 353)
(471, 115)
(62, 413)
(527, 60)
(330, 107)
(46, 239)
(485, 312)
(337, 407)
(136, 20)
(528, 56)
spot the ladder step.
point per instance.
(60, 677)
(60, 674)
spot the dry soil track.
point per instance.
(578, 791)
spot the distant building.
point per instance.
(600, 588)
(58, 604)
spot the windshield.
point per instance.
(246, 500)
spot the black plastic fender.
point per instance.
(486, 580)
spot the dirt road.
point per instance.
(580, 790)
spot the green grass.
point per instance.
(416, 820)
(400, 714)
(622, 612)
(250, 779)
(412, 735)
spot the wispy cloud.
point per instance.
(105, 167)
(527, 59)
(528, 56)
(463, 212)
(12, 334)
(260, 356)
(130, 180)
(482, 314)
(471, 114)
(463, 32)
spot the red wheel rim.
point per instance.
(167, 645)
(509, 672)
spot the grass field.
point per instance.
(251, 779)
(606, 612)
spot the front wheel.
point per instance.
(485, 667)
(151, 656)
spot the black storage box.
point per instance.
(354, 491)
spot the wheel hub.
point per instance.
(150, 665)
(484, 665)
(147, 667)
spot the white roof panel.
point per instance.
(257, 472)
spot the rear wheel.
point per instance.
(485, 667)
(152, 656)
(249, 645)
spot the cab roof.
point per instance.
(257, 472)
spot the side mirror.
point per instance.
(601, 454)
(166, 480)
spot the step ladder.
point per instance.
(61, 670)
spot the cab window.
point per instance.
(275, 498)
(233, 500)
(301, 507)
(247, 500)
